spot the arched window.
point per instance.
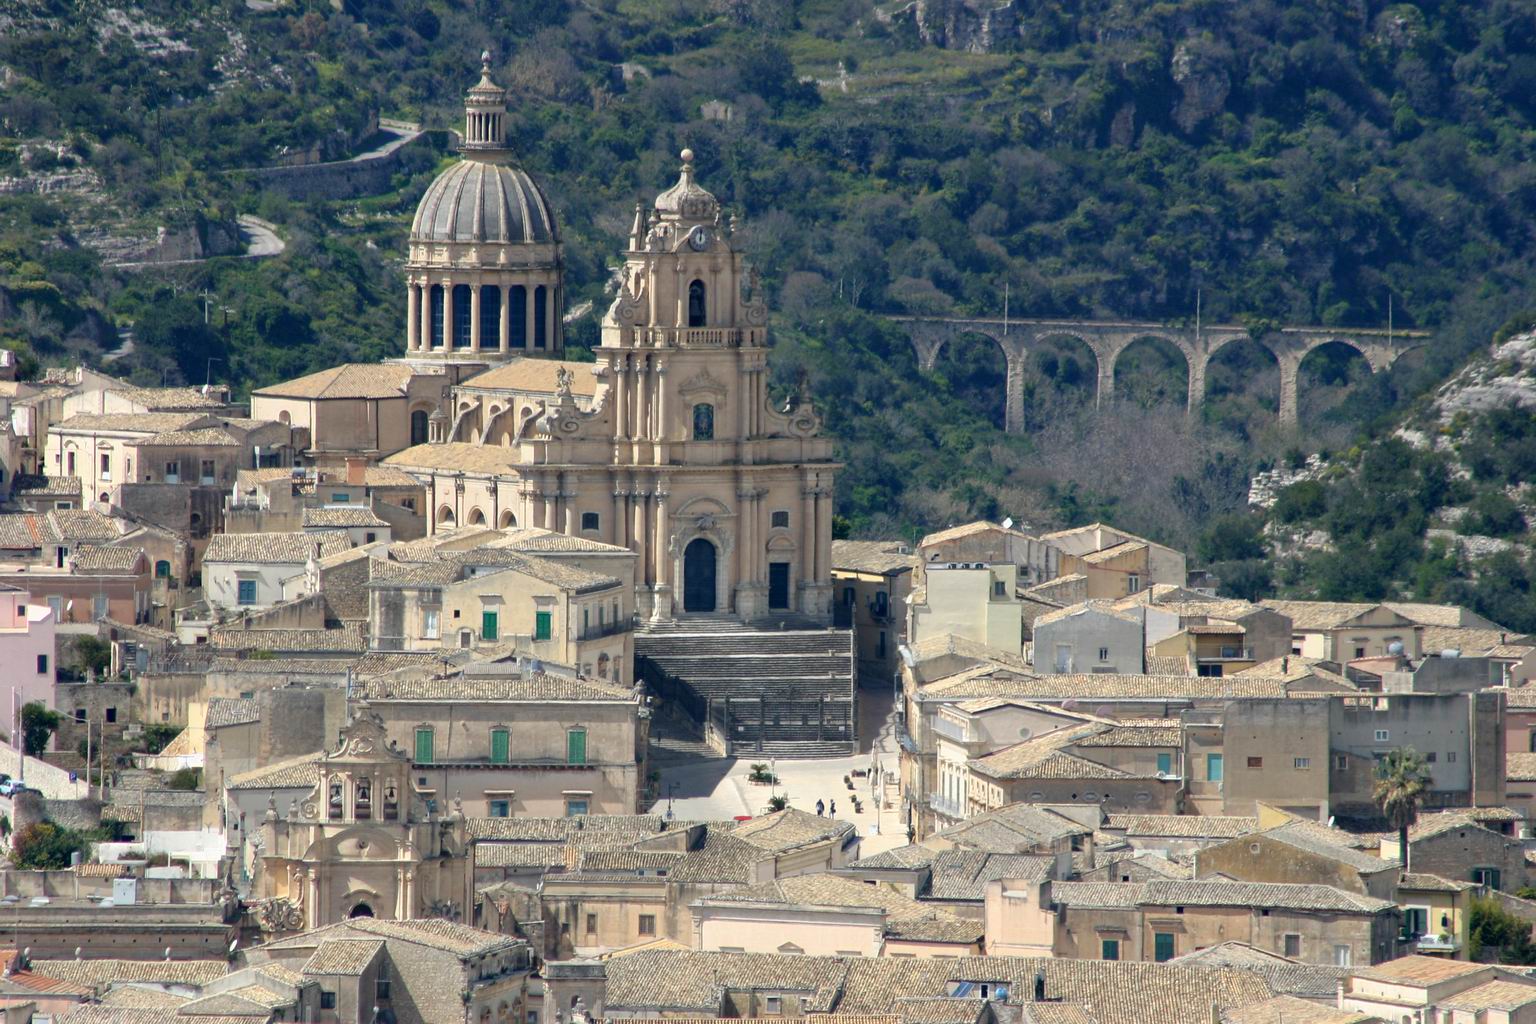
(540, 312)
(461, 316)
(436, 301)
(517, 315)
(162, 569)
(507, 519)
(703, 422)
(445, 516)
(419, 427)
(476, 517)
(490, 316)
(696, 304)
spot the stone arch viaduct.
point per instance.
(1108, 340)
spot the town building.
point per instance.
(872, 580)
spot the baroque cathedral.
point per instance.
(667, 444)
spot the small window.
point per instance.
(773, 1004)
(381, 991)
(780, 520)
(42, 665)
(162, 569)
(647, 924)
(575, 807)
(1431, 757)
(1214, 769)
(1255, 762)
(327, 1000)
(488, 630)
(576, 746)
(591, 924)
(206, 471)
(1383, 735)
(424, 745)
(370, 537)
(999, 588)
(703, 422)
(340, 499)
(79, 714)
(1109, 949)
(1342, 955)
(500, 746)
(590, 521)
(1133, 583)
(1341, 762)
(245, 592)
(1165, 764)
(1163, 946)
(500, 808)
(1450, 756)
(1293, 945)
(429, 624)
(1103, 653)
(1301, 764)
(111, 714)
(543, 626)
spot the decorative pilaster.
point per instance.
(617, 535)
(620, 398)
(447, 316)
(474, 319)
(504, 343)
(413, 318)
(659, 426)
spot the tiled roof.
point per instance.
(1520, 767)
(341, 517)
(1130, 687)
(388, 476)
(1215, 629)
(350, 380)
(134, 997)
(47, 486)
(1294, 1010)
(899, 858)
(1029, 761)
(791, 829)
(95, 558)
(99, 1014)
(663, 979)
(964, 874)
(383, 572)
(1114, 551)
(26, 530)
(1501, 994)
(722, 858)
(1420, 970)
(560, 574)
(274, 548)
(343, 956)
(1210, 893)
(83, 524)
(495, 689)
(101, 972)
(1168, 664)
(1011, 829)
(1095, 607)
(1182, 826)
(937, 1010)
(963, 531)
(540, 541)
(248, 1000)
(881, 557)
(223, 711)
(1310, 840)
(295, 773)
(1148, 732)
(1471, 642)
(1432, 883)
(456, 455)
(947, 644)
(348, 637)
(132, 422)
(904, 916)
(558, 829)
(165, 398)
(198, 437)
(1430, 825)
(537, 375)
(1312, 981)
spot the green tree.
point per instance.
(38, 724)
(158, 734)
(92, 653)
(1492, 927)
(1402, 779)
(46, 846)
(185, 778)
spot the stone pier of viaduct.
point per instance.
(1108, 340)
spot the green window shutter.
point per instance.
(500, 752)
(576, 746)
(424, 745)
(542, 628)
(1213, 767)
(1165, 763)
(1162, 946)
(488, 625)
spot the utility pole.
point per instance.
(207, 298)
(1005, 309)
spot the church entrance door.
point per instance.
(699, 576)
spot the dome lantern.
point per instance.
(485, 112)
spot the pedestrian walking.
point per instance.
(821, 808)
(832, 810)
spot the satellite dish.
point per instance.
(1395, 647)
(1008, 523)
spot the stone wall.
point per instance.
(346, 179)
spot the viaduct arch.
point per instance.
(1109, 339)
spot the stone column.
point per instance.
(744, 392)
(1290, 369)
(823, 534)
(448, 316)
(637, 528)
(568, 502)
(505, 342)
(620, 397)
(642, 396)
(413, 318)
(746, 536)
(617, 535)
(659, 421)
(426, 314)
(661, 555)
(1104, 394)
(1013, 415)
(808, 531)
(1196, 397)
(474, 318)
(314, 899)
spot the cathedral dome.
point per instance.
(480, 201)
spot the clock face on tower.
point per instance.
(698, 238)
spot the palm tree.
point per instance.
(1402, 779)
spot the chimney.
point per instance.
(357, 470)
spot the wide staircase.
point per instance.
(777, 688)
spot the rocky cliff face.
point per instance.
(975, 26)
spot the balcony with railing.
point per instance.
(957, 731)
(693, 337)
(1439, 944)
(946, 806)
(1225, 652)
(601, 629)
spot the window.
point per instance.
(327, 1000)
(1213, 768)
(999, 588)
(575, 806)
(205, 471)
(436, 303)
(1487, 877)
(1431, 757)
(1301, 764)
(882, 604)
(429, 624)
(488, 625)
(173, 472)
(1165, 764)
(540, 325)
(880, 645)
(245, 592)
(543, 627)
(340, 499)
(696, 315)
(42, 664)
(1132, 583)
(517, 316)
(590, 521)
(647, 924)
(162, 569)
(1359, 652)
(69, 460)
(703, 422)
(1109, 949)
(501, 808)
(1415, 921)
(106, 466)
(591, 924)
(381, 992)
(424, 744)
(1341, 762)
(419, 427)
(99, 606)
(576, 746)
(1255, 762)
(1450, 756)
(1103, 653)
(490, 316)
(111, 714)
(1292, 945)
(1341, 956)
(1383, 735)
(500, 746)
(1162, 946)
(780, 519)
(461, 316)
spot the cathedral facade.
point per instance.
(667, 444)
